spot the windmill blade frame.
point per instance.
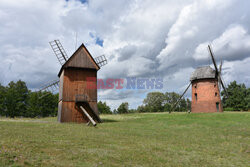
(214, 62)
(101, 60)
(218, 73)
(220, 68)
(59, 51)
(223, 86)
(219, 76)
(50, 86)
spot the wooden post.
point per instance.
(89, 117)
(173, 107)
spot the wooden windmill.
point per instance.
(77, 101)
(206, 85)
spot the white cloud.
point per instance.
(237, 70)
(233, 44)
(141, 38)
(198, 22)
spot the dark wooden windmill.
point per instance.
(206, 85)
(77, 100)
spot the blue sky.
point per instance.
(140, 38)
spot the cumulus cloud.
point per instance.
(236, 70)
(126, 52)
(233, 44)
(198, 22)
(140, 38)
(233, 48)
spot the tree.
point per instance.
(2, 100)
(103, 108)
(142, 109)
(188, 104)
(158, 102)
(123, 108)
(48, 104)
(132, 110)
(248, 98)
(182, 105)
(115, 111)
(167, 107)
(170, 100)
(16, 98)
(154, 102)
(33, 108)
(19, 101)
(238, 97)
(42, 104)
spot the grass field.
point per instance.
(161, 139)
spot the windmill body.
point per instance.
(77, 85)
(205, 91)
(75, 75)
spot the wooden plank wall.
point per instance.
(75, 83)
(82, 59)
(72, 113)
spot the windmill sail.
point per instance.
(50, 86)
(223, 86)
(214, 62)
(218, 73)
(101, 60)
(219, 76)
(59, 51)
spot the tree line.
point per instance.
(238, 100)
(16, 100)
(154, 102)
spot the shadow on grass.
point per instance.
(109, 120)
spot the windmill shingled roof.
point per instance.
(203, 73)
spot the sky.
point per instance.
(140, 38)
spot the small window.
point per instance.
(195, 96)
(215, 93)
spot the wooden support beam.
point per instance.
(89, 117)
(173, 107)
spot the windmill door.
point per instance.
(218, 106)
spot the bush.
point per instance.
(228, 109)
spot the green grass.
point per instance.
(161, 139)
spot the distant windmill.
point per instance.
(77, 102)
(206, 85)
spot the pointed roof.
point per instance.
(81, 58)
